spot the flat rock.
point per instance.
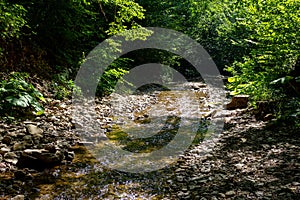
(238, 102)
(39, 159)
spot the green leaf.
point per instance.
(21, 102)
(235, 92)
(231, 79)
(40, 112)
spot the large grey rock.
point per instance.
(40, 159)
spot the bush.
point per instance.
(18, 96)
(272, 29)
(63, 86)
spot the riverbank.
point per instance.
(44, 158)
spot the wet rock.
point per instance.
(33, 130)
(238, 101)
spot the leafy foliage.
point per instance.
(63, 86)
(272, 28)
(18, 95)
(11, 19)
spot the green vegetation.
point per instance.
(256, 43)
(17, 95)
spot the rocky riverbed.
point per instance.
(47, 158)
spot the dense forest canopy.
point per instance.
(255, 43)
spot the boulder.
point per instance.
(238, 102)
(40, 159)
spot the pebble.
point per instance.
(230, 193)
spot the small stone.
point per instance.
(6, 140)
(239, 166)
(19, 146)
(244, 140)
(230, 193)
(259, 193)
(4, 150)
(222, 195)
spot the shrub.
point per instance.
(16, 95)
